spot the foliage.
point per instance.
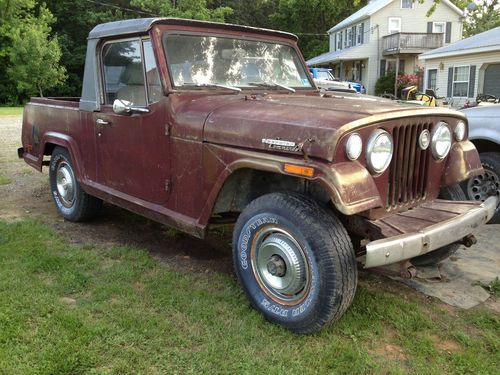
(29, 55)
(405, 80)
(486, 16)
(385, 84)
(32, 44)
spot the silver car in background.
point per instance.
(484, 132)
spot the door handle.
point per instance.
(100, 121)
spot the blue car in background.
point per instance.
(359, 87)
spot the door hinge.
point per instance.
(168, 185)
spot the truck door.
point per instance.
(132, 149)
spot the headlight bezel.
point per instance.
(374, 136)
(436, 133)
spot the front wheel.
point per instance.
(71, 201)
(295, 261)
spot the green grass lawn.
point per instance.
(72, 310)
(11, 111)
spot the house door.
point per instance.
(492, 80)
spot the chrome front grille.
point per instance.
(408, 169)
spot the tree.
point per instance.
(29, 55)
(34, 56)
(484, 17)
(311, 19)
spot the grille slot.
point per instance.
(408, 169)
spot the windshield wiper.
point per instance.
(212, 85)
(271, 84)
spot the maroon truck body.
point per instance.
(203, 154)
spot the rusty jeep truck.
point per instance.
(191, 123)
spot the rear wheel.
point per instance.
(451, 193)
(295, 261)
(487, 184)
(71, 201)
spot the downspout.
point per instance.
(378, 51)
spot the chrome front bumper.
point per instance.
(406, 246)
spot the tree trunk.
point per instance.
(40, 91)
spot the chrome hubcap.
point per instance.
(484, 185)
(280, 265)
(65, 184)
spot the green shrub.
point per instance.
(385, 84)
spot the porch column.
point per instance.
(396, 77)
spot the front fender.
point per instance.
(350, 186)
(462, 164)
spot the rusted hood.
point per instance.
(311, 122)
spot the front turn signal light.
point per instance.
(299, 170)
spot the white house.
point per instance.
(464, 69)
(388, 35)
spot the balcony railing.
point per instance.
(411, 42)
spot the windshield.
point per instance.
(208, 60)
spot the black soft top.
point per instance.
(142, 25)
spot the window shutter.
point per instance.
(335, 43)
(447, 38)
(472, 80)
(450, 81)
(362, 33)
(429, 27)
(353, 36)
(382, 67)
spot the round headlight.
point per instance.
(379, 151)
(441, 141)
(354, 146)
(424, 139)
(460, 131)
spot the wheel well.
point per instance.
(49, 148)
(245, 185)
(484, 145)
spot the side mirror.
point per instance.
(124, 107)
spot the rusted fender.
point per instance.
(463, 163)
(349, 185)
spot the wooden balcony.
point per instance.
(411, 43)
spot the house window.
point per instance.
(406, 4)
(349, 37)
(432, 79)
(394, 25)
(438, 27)
(345, 39)
(461, 81)
(339, 41)
(359, 34)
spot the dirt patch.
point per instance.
(28, 196)
(392, 352)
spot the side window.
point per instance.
(152, 75)
(123, 72)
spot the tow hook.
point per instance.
(469, 240)
(407, 270)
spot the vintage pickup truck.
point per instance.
(191, 123)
